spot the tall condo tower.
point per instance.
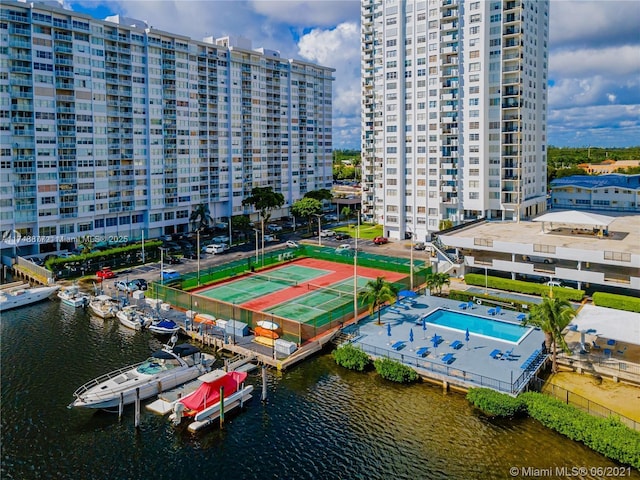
(454, 97)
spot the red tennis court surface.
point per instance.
(340, 273)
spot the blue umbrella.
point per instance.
(424, 327)
(388, 329)
(411, 335)
(466, 338)
(435, 340)
(407, 294)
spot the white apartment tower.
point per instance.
(114, 129)
(454, 111)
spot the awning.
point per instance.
(576, 217)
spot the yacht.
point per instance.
(167, 368)
(20, 297)
(132, 317)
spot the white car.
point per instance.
(327, 233)
(215, 248)
(345, 247)
(220, 239)
(554, 283)
(274, 228)
(291, 244)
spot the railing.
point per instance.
(469, 379)
(589, 406)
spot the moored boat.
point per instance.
(103, 306)
(73, 297)
(203, 406)
(167, 368)
(132, 317)
(21, 297)
(164, 327)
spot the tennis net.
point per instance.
(271, 278)
(332, 291)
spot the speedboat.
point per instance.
(73, 297)
(167, 368)
(20, 297)
(103, 306)
(131, 317)
(203, 406)
(164, 327)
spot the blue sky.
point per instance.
(594, 60)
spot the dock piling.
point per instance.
(120, 405)
(137, 417)
(264, 383)
(221, 407)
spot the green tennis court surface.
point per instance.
(319, 301)
(258, 285)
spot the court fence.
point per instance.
(178, 293)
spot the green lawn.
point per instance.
(367, 231)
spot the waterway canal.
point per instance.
(321, 422)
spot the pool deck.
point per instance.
(471, 365)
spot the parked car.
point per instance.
(190, 254)
(104, 273)
(420, 246)
(270, 238)
(173, 260)
(327, 233)
(342, 236)
(345, 247)
(331, 218)
(220, 239)
(556, 283)
(122, 286)
(380, 240)
(170, 274)
(138, 284)
(535, 259)
(274, 228)
(291, 244)
(215, 248)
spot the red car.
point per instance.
(105, 273)
(380, 240)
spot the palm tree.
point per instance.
(376, 293)
(552, 316)
(435, 281)
(200, 217)
(86, 244)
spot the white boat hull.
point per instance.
(24, 297)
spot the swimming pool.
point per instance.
(508, 332)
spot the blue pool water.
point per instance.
(509, 332)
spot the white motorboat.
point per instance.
(168, 368)
(20, 297)
(104, 306)
(73, 297)
(132, 317)
(164, 327)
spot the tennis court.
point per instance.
(319, 301)
(256, 285)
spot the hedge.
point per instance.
(395, 371)
(151, 248)
(607, 436)
(523, 287)
(620, 302)
(350, 357)
(496, 403)
(465, 296)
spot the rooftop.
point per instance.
(599, 181)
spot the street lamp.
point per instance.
(161, 265)
(411, 262)
(198, 253)
(485, 280)
(257, 232)
(355, 275)
(262, 229)
(319, 216)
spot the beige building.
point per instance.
(608, 166)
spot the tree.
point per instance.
(306, 207)
(241, 223)
(346, 212)
(445, 224)
(86, 244)
(376, 293)
(435, 281)
(552, 316)
(321, 195)
(200, 217)
(263, 200)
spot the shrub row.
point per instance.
(604, 435)
(620, 302)
(465, 296)
(523, 287)
(353, 358)
(151, 250)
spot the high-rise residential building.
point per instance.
(114, 129)
(454, 99)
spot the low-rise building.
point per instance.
(609, 166)
(614, 192)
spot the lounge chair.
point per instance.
(422, 351)
(448, 358)
(394, 310)
(507, 355)
(621, 352)
(491, 311)
(398, 345)
(463, 306)
(611, 342)
(522, 316)
(607, 352)
(498, 310)
(470, 305)
(456, 344)
(496, 354)
(595, 345)
(573, 328)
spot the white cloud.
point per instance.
(306, 13)
(614, 61)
